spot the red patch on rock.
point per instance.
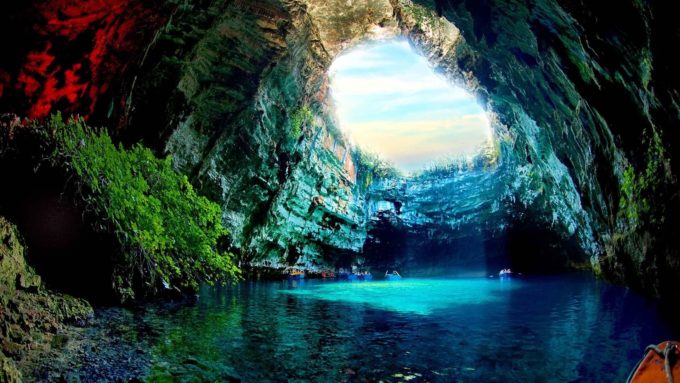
(88, 45)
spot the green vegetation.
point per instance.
(486, 157)
(168, 234)
(371, 167)
(423, 16)
(298, 120)
(638, 189)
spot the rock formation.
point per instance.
(584, 100)
(31, 316)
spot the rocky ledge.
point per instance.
(31, 316)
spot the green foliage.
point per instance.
(485, 157)
(371, 167)
(169, 234)
(638, 189)
(423, 16)
(297, 121)
(631, 188)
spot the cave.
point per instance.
(235, 107)
(61, 245)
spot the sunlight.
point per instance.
(390, 101)
(416, 296)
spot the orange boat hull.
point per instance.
(652, 366)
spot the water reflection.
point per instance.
(550, 329)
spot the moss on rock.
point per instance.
(30, 315)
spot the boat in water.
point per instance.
(348, 276)
(660, 363)
(327, 274)
(366, 276)
(296, 275)
(393, 276)
(507, 274)
(361, 276)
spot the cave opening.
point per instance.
(436, 184)
(572, 170)
(58, 233)
(440, 172)
(390, 101)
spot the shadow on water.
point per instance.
(561, 329)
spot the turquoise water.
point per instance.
(415, 296)
(557, 329)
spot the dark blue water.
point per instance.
(558, 329)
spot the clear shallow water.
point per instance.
(558, 329)
(409, 296)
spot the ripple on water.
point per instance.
(557, 329)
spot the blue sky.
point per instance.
(390, 101)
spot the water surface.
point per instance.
(557, 329)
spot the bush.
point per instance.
(298, 120)
(371, 167)
(168, 234)
(640, 189)
(486, 157)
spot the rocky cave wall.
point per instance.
(286, 189)
(589, 95)
(434, 225)
(585, 97)
(234, 91)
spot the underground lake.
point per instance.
(339, 191)
(569, 328)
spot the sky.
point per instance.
(389, 101)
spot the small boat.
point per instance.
(393, 277)
(296, 275)
(327, 274)
(349, 276)
(660, 363)
(506, 274)
(366, 276)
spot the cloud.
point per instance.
(412, 144)
(347, 86)
(375, 55)
(390, 101)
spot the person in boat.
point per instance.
(505, 272)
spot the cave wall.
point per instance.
(31, 315)
(229, 116)
(439, 224)
(590, 100)
(73, 56)
(584, 94)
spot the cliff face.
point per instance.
(254, 137)
(583, 96)
(590, 101)
(438, 224)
